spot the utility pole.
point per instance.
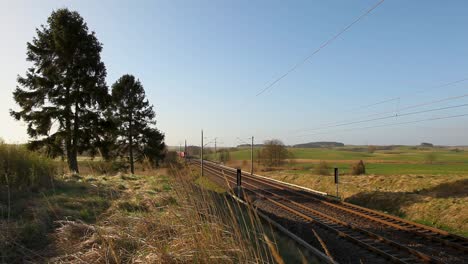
(216, 154)
(215, 146)
(185, 151)
(201, 155)
(251, 157)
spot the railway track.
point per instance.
(387, 238)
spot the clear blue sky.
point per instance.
(202, 62)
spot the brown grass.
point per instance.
(152, 218)
(439, 201)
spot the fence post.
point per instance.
(239, 182)
(336, 182)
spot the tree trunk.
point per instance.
(73, 162)
(74, 149)
(69, 144)
(130, 140)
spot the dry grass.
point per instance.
(24, 169)
(151, 218)
(440, 201)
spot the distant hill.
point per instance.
(323, 144)
(248, 145)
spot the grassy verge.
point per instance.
(153, 217)
(287, 249)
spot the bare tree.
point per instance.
(273, 153)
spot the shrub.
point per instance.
(24, 169)
(171, 157)
(224, 155)
(99, 167)
(322, 168)
(358, 168)
(430, 158)
(273, 153)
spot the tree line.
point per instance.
(66, 103)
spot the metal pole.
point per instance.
(337, 181)
(215, 156)
(185, 151)
(251, 157)
(239, 182)
(201, 155)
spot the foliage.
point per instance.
(154, 148)
(107, 167)
(23, 169)
(358, 168)
(430, 158)
(63, 94)
(171, 157)
(371, 149)
(193, 150)
(133, 115)
(273, 153)
(322, 168)
(428, 145)
(224, 155)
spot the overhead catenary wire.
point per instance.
(390, 124)
(326, 43)
(397, 98)
(393, 116)
(352, 120)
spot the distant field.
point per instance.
(398, 160)
(402, 154)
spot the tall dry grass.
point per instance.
(23, 169)
(162, 219)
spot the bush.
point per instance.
(99, 167)
(358, 168)
(24, 169)
(430, 158)
(322, 168)
(273, 153)
(224, 155)
(172, 157)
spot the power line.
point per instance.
(410, 93)
(339, 123)
(392, 116)
(391, 124)
(326, 43)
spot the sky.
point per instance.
(202, 64)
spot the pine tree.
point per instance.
(154, 147)
(134, 116)
(63, 94)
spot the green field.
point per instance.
(397, 160)
(402, 154)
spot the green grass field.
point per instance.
(398, 160)
(401, 154)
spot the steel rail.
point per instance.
(426, 232)
(343, 229)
